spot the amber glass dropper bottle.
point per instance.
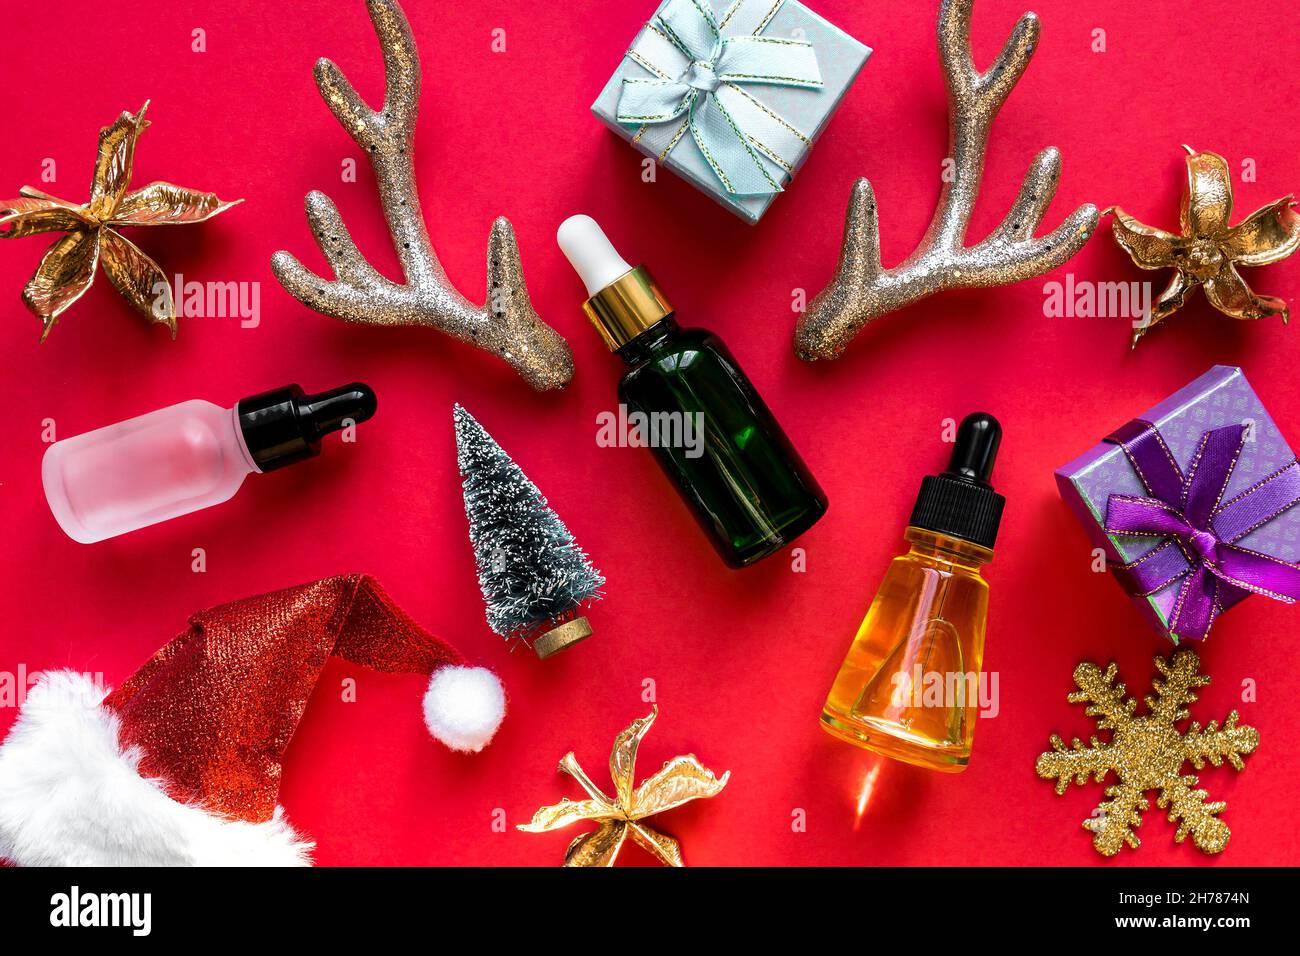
(909, 687)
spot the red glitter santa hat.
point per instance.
(181, 764)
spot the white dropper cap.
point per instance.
(590, 252)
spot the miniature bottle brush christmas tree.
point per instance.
(533, 574)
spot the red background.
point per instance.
(740, 661)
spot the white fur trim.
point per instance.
(71, 795)
(464, 706)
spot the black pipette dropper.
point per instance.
(285, 425)
(960, 502)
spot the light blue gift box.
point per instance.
(775, 125)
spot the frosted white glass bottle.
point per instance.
(186, 457)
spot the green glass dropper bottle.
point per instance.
(745, 483)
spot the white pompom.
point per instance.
(464, 706)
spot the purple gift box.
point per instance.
(1192, 503)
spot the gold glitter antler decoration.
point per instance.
(681, 780)
(1148, 753)
(863, 290)
(506, 325)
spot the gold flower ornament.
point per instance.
(1208, 251)
(681, 780)
(93, 239)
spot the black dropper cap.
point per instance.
(285, 425)
(961, 502)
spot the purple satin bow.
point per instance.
(1200, 530)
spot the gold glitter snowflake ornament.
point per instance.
(1148, 753)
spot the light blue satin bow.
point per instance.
(717, 64)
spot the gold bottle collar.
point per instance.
(627, 307)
